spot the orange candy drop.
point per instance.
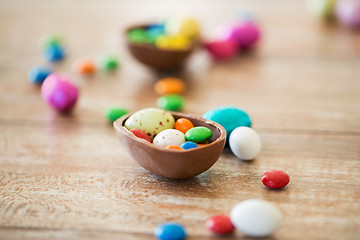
(86, 67)
(169, 85)
(183, 124)
(174, 147)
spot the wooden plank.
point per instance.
(81, 178)
(258, 87)
(278, 86)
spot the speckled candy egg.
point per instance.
(150, 120)
(169, 137)
(58, 91)
(256, 217)
(348, 12)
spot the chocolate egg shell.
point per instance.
(169, 163)
(156, 58)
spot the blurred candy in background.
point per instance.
(347, 12)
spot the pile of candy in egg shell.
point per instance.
(160, 128)
(347, 12)
(176, 33)
(179, 33)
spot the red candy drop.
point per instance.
(220, 224)
(140, 134)
(275, 179)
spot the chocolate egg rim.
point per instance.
(119, 125)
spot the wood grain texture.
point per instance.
(68, 177)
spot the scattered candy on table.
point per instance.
(220, 225)
(198, 134)
(244, 34)
(140, 134)
(54, 53)
(113, 113)
(188, 145)
(37, 75)
(256, 218)
(348, 12)
(245, 143)
(322, 8)
(51, 39)
(85, 67)
(229, 117)
(170, 231)
(169, 85)
(169, 137)
(59, 92)
(171, 102)
(150, 120)
(109, 63)
(222, 49)
(275, 179)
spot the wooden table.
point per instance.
(68, 177)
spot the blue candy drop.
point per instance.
(54, 53)
(37, 75)
(170, 231)
(189, 145)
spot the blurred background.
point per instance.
(299, 55)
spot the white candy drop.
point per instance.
(245, 143)
(256, 218)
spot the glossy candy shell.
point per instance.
(229, 117)
(256, 217)
(189, 145)
(54, 53)
(170, 231)
(113, 113)
(140, 134)
(183, 125)
(198, 134)
(171, 102)
(59, 92)
(37, 75)
(220, 224)
(169, 86)
(275, 179)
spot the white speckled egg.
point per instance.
(245, 143)
(256, 217)
(169, 137)
(150, 120)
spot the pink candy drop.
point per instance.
(246, 34)
(59, 92)
(348, 12)
(222, 49)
